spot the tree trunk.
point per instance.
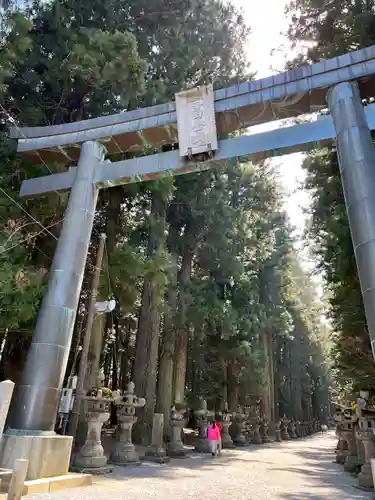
(268, 391)
(125, 358)
(180, 365)
(232, 388)
(107, 367)
(224, 390)
(95, 351)
(165, 385)
(165, 379)
(114, 367)
(182, 333)
(147, 342)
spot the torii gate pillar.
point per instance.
(34, 412)
(356, 155)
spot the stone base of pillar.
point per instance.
(227, 443)
(90, 465)
(365, 480)
(341, 457)
(256, 439)
(176, 450)
(48, 454)
(95, 471)
(240, 440)
(124, 454)
(352, 464)
(156, 454)
(202, 445)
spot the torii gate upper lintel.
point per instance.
(39, 390)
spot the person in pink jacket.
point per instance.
(213, 436)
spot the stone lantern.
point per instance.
(201, 415)
(256, 439)
(91, 458)
(264, 430)
(342, 449)
(238, 419)
(298, 429)
(124, 451)
(278, 431)
(352, 462)
(284, 429)
(175, 446)
(226, 439)
(366, 425)
(292, 429)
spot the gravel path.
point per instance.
(295, 470)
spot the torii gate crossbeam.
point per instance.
(288, 94)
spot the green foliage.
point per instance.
(108, 62)
(336, 28)
(210, 252)
(246, 282)
(14, 45)
(333, 247)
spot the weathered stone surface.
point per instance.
(201, 414)
(366, 435)
(175, 446)
(284, 429)
(6, 392)
(91, 458)
(238, 419)
(352, 462)
(278, 432)
(342, 451)
(264, 431)
(226, 439)
(124, 452)
(156, 452)
(48, 456)
(256, 439)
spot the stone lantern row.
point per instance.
(355, 449)
(239, 429)
(91, 457)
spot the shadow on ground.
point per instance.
(324, 475)
(297, 470)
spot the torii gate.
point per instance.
(295, 92)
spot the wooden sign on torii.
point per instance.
(287, 95)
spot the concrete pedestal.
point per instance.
(202, 445)
(175, 447)
(264, 433)
(239, 438)
(48, 455)
(256, 439)
(365, 476)
(226, 440)
(156, 454)
(352, 462)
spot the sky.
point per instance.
(267, 51)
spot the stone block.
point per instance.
(51, 484)
(6, 392)
(48, 455)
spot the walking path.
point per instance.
(294, 470)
